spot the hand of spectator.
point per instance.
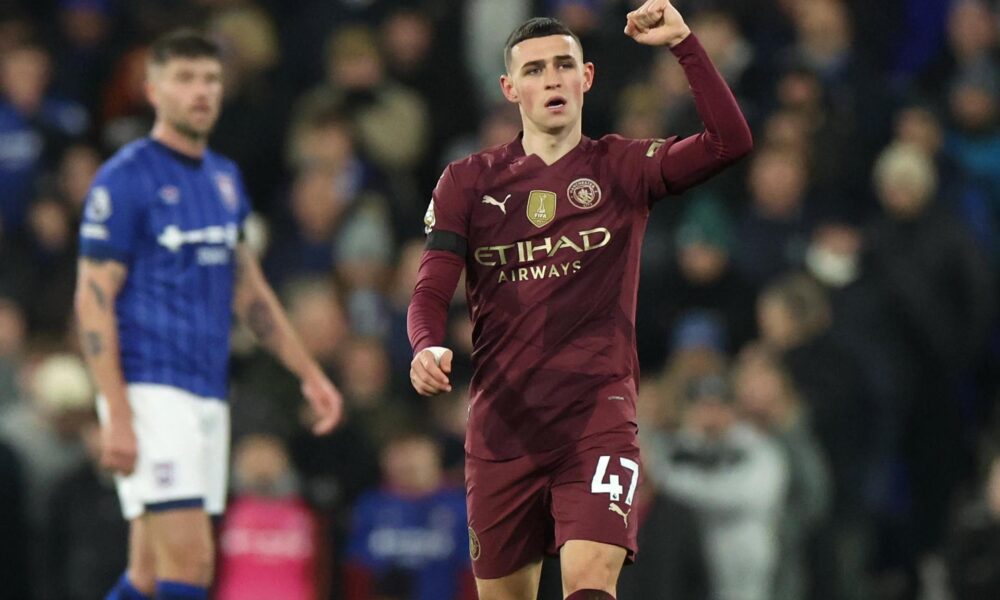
(656, 23)
(325, 401)
(119, 448)
(429, 369)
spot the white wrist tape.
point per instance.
(437, 352)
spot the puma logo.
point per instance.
(624, 515)
(491, 200)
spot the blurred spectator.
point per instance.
(405, 279)
(771, 234)
(271, 545)
(413, 523)
(390, 121)
(84, 530)
(274, 395)
(125, 113)
(859, 302)
(44, 429)
(500, 124)
(44, 432)
(368, 396)
(414, 47)
(972, 145)
(766, 397)
(857, 101)
(486, 27)
(971, 37)
(51, 234)
(697, 349)
(77, 168)
(255, 110)
(704, 276)
(14, 552)
(672, 563)
(795, 318)
(973, 551)
(336, 221)
(13, 338)
(84, 50)
(734, 479)
(34, 127)
(943, 296)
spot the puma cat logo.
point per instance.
(615, 509)
(491, 200)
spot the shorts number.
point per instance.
(613, 486)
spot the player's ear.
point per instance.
(588, 76)
(507, 87)
(149, 86)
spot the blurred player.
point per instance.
(549, 228)
(161, 269)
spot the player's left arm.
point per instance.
(726, 137)
(257, 306)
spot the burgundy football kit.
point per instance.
(551, 254)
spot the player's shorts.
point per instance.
(522, 508)
(183, 443)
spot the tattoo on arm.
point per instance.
(93, 343)
(260, 320)
(102, 299)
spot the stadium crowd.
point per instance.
(818, 328)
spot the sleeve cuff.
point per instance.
(689, 45)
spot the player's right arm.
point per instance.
(446, 226)
(98, 283)
(112, 218)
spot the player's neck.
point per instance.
(175, 140)
(550, 146)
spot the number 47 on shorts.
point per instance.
(613, 486)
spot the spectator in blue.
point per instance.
(415, 523)
(34, 127)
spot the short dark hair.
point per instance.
(535, 28)
(183, 43)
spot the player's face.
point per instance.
(547, 78)
(187, 94)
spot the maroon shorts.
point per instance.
(521, 508)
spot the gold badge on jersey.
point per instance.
(541, 207)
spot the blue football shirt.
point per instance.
(174, 222)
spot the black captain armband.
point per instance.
(446, 240)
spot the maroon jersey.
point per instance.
(551, 254)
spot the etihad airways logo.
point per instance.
(515, 258)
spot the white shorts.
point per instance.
(183, 443)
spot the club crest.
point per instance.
(584, 193)
(474, 547)
(227, 189)
(541, 207)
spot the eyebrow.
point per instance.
(541, 61)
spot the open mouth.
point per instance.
(555, 103)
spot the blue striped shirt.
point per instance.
(174, 222)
